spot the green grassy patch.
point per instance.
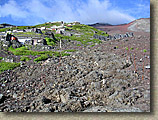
(78, 44)
(87, 30)
(48, 24)
(60, 54)
(71, 50)
(16, 28)
(50, 41)
(24, 51)
(144, 50)
(4, 29)
(24, 58)
(26, 33)
(41, 58)
(64, 54)
(126, 48)
(92, 45)
(87, 34)
(43, 54)
(8, 66)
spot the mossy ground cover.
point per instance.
(87, 34)
(30, 27)
(43, 54)
(84, 39)
(87, 30)
(25, 58)
(41, 58)
(8, 66)
(50, 41)
(4, 29)
(16, 28)
(48, 24)
(25, 51)
(26, 33)
(70, 50)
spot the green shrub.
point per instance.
(96, 41)
(78, 44)
(57, 54)
(65, 54)
(71, 50)
(41, 58)
(27, 34)
(3, 29)
(144, 50)
(45, 52)
(24, 51)
(1, 58)
(92, 45)
(25, 58)
(8, 66)
(86, 37)
(50, 41)
(88, 30)
(47, 25)
(126, 48)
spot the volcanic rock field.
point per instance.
(105, 77)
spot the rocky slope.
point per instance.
(140, 25)
(83, 80)
(101, 78)
(91, 79)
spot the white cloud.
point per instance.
(96, 11)
(13, 9)
(37, 11)
(140, 9)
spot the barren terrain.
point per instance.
(104, 78)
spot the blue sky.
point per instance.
(32, 12)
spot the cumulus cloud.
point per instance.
(38, 11)
(140, 9)
(101, 11)
(13, 9)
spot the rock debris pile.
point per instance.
(88, 81)
(114, 37)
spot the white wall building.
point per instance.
(14, 30)
(20, 31)
(60, 30)
(9, 32)
(43, 28)
(28, 30)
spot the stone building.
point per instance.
(37, 30)
(10, 40)
(36, 41)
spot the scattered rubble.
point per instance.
(99, 78)
(114, 37)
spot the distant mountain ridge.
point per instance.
(108, 24)
(5, 25)
(142, 24)
(99, 24)
(138, 25)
